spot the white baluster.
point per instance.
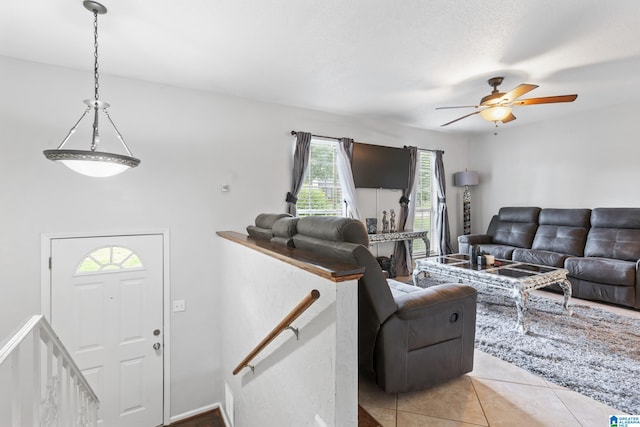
(49, 414)
(37, 377)
(68, 419)
(94, 413)
(60, 370)
(68, 400)
(16, 413)
(74, 397)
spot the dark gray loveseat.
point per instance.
(409, 338)
(600, 248)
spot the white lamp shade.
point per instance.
(495, 114)
(95, 169)
(461, 179)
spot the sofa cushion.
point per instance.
(334, 228)
(515, 234)
(568, 217)
(516, 226)
(341, 251)
(534, 256)
(266, 220)
(602, 270)
(615, 233)
(615, 243)
(498, 251)
(561, 239)
(562, 230)
(519, 214)
(285, 227)
(263, 224)
(259, 232)
(283, 231)
(616, 218)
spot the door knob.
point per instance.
(156, 346)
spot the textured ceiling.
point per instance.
(392, 60)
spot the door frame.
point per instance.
(45, 293)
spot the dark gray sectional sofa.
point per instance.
(599, 247)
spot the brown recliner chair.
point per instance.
(410, 338)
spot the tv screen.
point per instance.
(377, 166)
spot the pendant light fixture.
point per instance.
(93, 162)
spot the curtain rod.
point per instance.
(294, 133)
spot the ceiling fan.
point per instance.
(496, 107)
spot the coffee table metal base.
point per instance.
(521, 297)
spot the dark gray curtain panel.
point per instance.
(300, 164)
(442, 219)
(401, 252)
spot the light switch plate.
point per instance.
(179, 305)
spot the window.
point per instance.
(110, 258)
(425, 209)
(321, 193)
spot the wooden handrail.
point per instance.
(284, 324)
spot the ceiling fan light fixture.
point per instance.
(92, 162)
(495, 114)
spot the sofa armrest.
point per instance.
(419, 304)
(429, 340)
(465, 241)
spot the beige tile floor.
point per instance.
(495, 393)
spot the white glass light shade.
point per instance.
(461, 179)
(92, 163)
(495, 114)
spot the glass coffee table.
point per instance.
(516, 277)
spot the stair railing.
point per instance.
(284, 324)
(58, 394)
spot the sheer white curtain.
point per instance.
(411, 217)
(345, 176)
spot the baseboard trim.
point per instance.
(199, 411)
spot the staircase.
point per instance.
(40, 384)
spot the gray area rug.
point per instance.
(594, 352)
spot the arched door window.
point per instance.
(109, 259)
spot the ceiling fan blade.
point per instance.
(545, 100)
(459, 106)
(517, 92)
(460, 118)
(509, 118)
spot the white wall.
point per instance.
(296, 381)
(190, 144)
(585, 160)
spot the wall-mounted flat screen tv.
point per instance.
(377, 166)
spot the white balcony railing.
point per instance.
(45, 386)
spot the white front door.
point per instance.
(106, 306)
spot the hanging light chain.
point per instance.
(95, 54)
